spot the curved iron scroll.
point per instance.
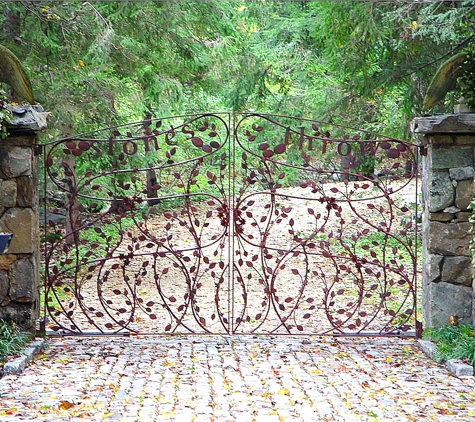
(222, 223)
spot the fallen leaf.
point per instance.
(65, 405)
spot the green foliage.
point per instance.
(365, 64)
(472, 221)
(379, 243)
(466, 82)
(12, 340)
(5, 114)
(454, 342)
(96, 64)
(108, 234)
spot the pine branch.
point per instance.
(440, 58)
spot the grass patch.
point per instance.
(453, 342)
(380, 245)
(12, 340)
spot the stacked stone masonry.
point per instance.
(448, 163)
(19, 265)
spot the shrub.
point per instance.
(12, 340)
(454, 342)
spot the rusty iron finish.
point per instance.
(232, 224)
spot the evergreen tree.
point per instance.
(364, 64)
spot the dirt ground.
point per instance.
(340, 258)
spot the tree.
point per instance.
(97, 64)
(364, 64)
(385, 53)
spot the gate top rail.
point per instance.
(236, 116)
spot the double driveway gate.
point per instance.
(230, 224)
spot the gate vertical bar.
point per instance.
(231, 207)
(417, 322)
(44, 302)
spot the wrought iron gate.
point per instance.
(231, 223)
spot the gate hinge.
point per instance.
(38, 149)
(423, 150)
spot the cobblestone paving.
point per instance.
(235, 379)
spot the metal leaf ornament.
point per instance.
(13, 74)
(445, 80)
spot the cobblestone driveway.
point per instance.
(235, 379)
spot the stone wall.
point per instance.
(448, 143)
(20, 264)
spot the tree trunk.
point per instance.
(11, 25)
(73, 210)
(152, 189)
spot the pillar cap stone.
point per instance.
(445, 123)
(28, 118)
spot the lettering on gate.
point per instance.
(326, 144)
(116, 145)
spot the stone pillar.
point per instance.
(448, 145)
(20, 265)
